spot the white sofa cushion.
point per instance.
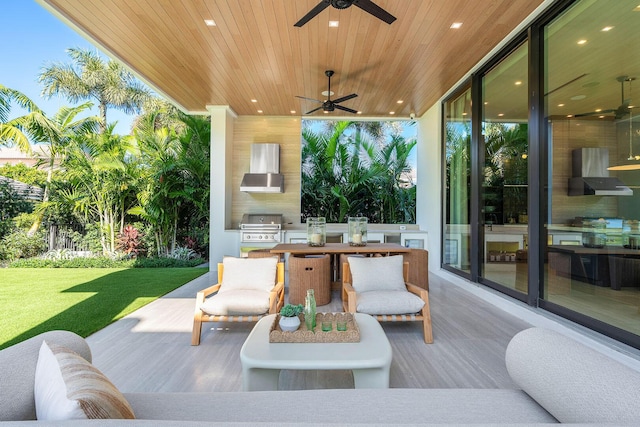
(248, 273)
(68, 387)
(575, 383)
(377, 273)
(388, 302)
(237, 302)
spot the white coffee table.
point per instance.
(369, 359)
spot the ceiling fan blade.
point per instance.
(375, 10)
(309, 99)
(313, 12)
(344, 98)
(314, 110)
(348, 110)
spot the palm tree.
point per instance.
(59, 132)
(103, 174)
(109, 84)
(12, 132)
(177, 188)
(357, 174)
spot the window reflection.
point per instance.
(456, 242)
(505, 171)
(590, 92)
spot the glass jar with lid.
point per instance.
(358, 230)
(594, 234)
(631, 234)
(316, 231)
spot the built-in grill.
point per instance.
(261, 228)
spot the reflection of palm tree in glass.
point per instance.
(505, 171)
(458, 173)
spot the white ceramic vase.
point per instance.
(289, 324)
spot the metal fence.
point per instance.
(61, 236)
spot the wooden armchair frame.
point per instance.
(276, 301)
(349, 302)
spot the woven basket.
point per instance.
(310, 273)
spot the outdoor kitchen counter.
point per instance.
(339, 248)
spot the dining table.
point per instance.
(336, 250)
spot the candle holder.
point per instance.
(316, 231)
(358, 230)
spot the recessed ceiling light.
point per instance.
(326, 112)
(637, 8)
(518, 83)
(456, 25)
(486, 103)
(607, 28)
(583, 41)
(260, 111)
(210, 22)
(560, 105)
(464, 114)
(293, 111)
(601, 117)
(359, 112)
(399, 101)
(254, 100)
(597, 110)
(334, 23)
(501, 115)
(569, 115)
(392, 112)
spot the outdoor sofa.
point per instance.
(561, 380)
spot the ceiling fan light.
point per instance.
(630, 167)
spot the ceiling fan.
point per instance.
(366, 5)
(623, 109)
(330, 105)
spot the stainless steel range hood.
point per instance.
(591, 177)
(264, 170)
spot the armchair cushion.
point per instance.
(377, 273)
(237, 302)
(249, 274)
(388, 302)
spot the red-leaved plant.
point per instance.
(129, 241)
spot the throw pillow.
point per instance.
(248, 273)
(68, 387)
(377, 273)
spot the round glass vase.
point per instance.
(358, 231)
(316, 231)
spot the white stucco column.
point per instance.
(429, 182)
(220, 243)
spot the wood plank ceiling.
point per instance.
(255, 53)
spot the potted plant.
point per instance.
(289, 320)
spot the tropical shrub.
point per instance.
(105, 262)
(19, 244)
(58, 254)
(183, 253)
(12, 203)
(129, 241)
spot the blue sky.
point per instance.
(32, 38)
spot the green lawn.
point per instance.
(34, 300)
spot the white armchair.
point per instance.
(379, 286)
(247, 289)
